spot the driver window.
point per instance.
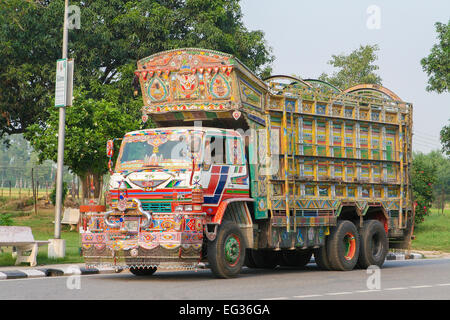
(214, 152)
(234, 151)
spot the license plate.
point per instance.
(132, 225)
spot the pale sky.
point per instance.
(304, 35)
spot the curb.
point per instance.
(53, 272)
(403, 256)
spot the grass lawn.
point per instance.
(43, 229)
(434, 233)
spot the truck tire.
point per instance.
(226, 254)
(295, 258)
(374, 244)
(141, 271)
(321, 257)
(343, 246)
(265, 259)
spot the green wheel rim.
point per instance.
(232, 250)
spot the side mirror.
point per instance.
(110, 153)
(110, 148)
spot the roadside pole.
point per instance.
(57, 246)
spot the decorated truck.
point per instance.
(262, 173)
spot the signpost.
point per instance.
(63, 98)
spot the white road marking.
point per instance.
(373, 290)
(309, 296)
(338, 293)
(443, 284)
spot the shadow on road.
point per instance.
(207, 275)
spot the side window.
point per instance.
(214, 152)
(234, 151)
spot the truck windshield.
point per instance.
(159, 150)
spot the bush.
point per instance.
(5, 220)
(64, 194)
(423, 176)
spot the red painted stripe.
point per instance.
(215, 175)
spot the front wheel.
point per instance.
(226, 254)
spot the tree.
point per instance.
(90, 123)
(30, 46)
(445, 139)
(355, 68)
(437, 64)
(441, 186)
(423, 176)
(113, 36)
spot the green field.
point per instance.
(17, 193)
(434, 233)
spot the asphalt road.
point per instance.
(410, 279)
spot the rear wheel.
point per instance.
(141, 271)
(226, 254)
(343, 246)
(295, 258)
(374, 244)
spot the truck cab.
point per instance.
(169, 185)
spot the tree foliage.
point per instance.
(30, 46)
(437, 63)
(423, 176)
(354, 68)
(114, 34)
(441, 185)
(445, 139)
(89, 124)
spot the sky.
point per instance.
(304, 35)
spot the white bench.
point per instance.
(22, 239)
(71, 216)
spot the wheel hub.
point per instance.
(232, 250)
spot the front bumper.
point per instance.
(169, 240)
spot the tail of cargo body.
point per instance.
(296, 167)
